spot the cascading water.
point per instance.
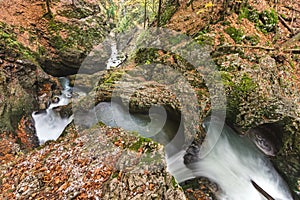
(234, 163)
(115, 58)
(49, 124)
(116, 116)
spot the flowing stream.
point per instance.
(49, 124)
(233, 163)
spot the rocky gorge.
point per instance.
(261, 87)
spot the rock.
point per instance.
(43, 106)
(21, 82)
(267, 137)
(66, 63)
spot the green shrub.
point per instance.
(268, 21)
(236, 34)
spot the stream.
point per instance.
(235, 164)
(49, 124)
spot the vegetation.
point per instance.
(266, 21)
(236, 34)
(11, 44)
(140, 143)
(257, 91)
(78, 37)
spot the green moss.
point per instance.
(137, 145)
(249, 13)
(204, 39)
(113, 76)
(245, 86)
(115, 174)
(190, 184)
(146, 56)
(41, 50)
(174, 182)
(77, 37)
(168, 13)
(225, 23)
(268, 21)
(57, 42)
(236, 34)
(237, 92)
(9, 40)
(77, 13)
(253, 40)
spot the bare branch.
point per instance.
(285, 24)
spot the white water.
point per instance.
(232, 164)
(112, 114)
(49, 124)
(115, 58)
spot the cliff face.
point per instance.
(24, 87)
(58, 41)
(31, 42)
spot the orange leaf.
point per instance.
(63, 186)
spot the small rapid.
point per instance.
(236, 165)
(49, 124)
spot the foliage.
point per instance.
(140, 143)
(168, 13)
(237, 92)
(204, 39)
(253, 40)
(131, 13)
(236, 34)
(146, 56)
(266, 21)
(77, 13)
(245, 86)
(77, 36)
(114, 76)
(11, 43)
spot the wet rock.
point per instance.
(55, 99)
(22, 81)
(65, 111)
(43, 106)
(267, 137)
(67, 63)
(192, 154)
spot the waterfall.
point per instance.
(115, 58)
(234, 163)
(49, 124)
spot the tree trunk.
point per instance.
(159, 12)
(48, 7)
(145, 14)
